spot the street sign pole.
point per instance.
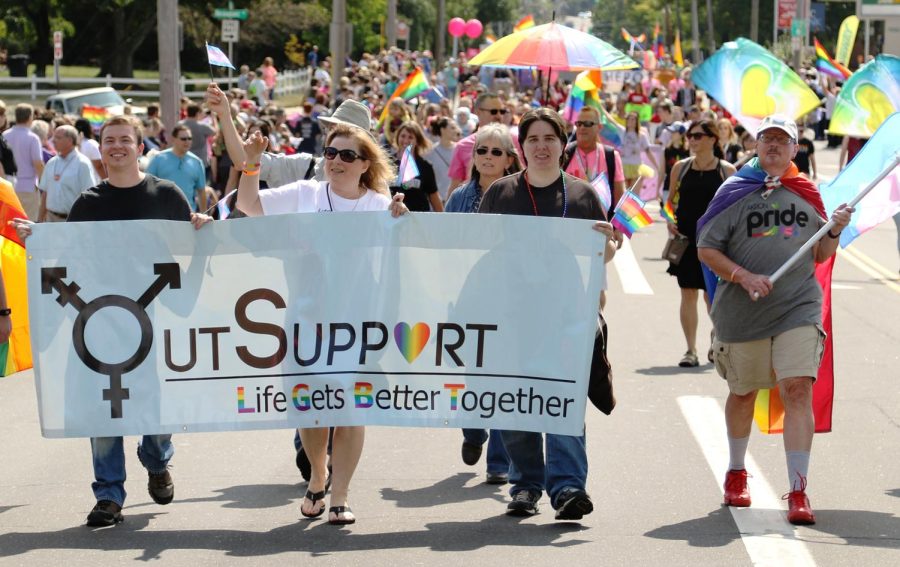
(57, 56)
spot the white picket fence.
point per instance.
(34, 87)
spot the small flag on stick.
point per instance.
(630, 215)
(408, 169)
(217, 58)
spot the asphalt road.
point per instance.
(654, 477)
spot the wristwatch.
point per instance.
(5, 312)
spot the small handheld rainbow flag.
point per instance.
(415, 84)
(408, 169)
(96, 115)
(630, 215)
(601, 186)
(825, 64)
(216, 57)
(524, 23)
(667, 212)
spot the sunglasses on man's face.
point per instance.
(348, 156)
(185, 139)
(697, 135)
(585, 123)
(495, 111)
(496, 152)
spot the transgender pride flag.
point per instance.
(408, 169)
(883, 201)
(216, 57)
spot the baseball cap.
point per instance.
(352, 113)
(780, 122)
(679, 127)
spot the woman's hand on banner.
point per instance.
(22, 226)
(397, 207)
(199, 219)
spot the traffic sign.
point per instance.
(227, 14)
(57, 45)
(798, 28)
(230, 30)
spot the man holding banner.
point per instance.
(768, 335)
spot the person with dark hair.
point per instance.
(448, 133)
(180, 166)
(543, 189)
(89, 146)
(421, 192)
(200, 133)
(692, 184)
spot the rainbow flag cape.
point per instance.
(883, 201)
(15, 354)
(825, 64)
(677, 56)
(751, 83)
(216, 57)
(630, 214)
(415, 84)
(869, 96)
(585, 92)
(667, 212)
(524, 23)
(769, 413)
(408, 169)
(96, 115)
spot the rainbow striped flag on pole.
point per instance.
(630, 214)
(15, 354)
(825, 64)
(415, 84)
(524, 23)
(96, 115)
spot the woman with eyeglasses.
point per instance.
(421, 192)
(357, 172)
(634, 143)
(692, 185)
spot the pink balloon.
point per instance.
(456, 27)
(473, 28)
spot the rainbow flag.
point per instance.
(96, 115)
(585, 92)
(825, 64)
(667, 212)
(415, 84)
(216, 57)
(524, 23)
(658, 48)
(15, 354)
(490, 38)
(630, 214)
(611, 131)
(634, 41)
(408, 169)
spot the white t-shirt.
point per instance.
(309, 196)
(90, 148)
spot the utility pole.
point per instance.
(391, 24)
(695, 32)
(169, 61)
(754, 20)
(441, 34)
(709, 27)
(798, 43)
(338, 40)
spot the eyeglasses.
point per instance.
(697, 135)
(496, 152)
(185, 139)
(347, 156)
(777, 140)
(585, 123)
(495, 111)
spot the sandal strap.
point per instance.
(315, 496)
(338, 510)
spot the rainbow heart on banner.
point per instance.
(411, 340)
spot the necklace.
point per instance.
(585, 162)
(331, 205)
(565, 193)
(57, 175)
(714, 161)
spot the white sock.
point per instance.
(737, 448)
(797, 468)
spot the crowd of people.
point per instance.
(484, 141)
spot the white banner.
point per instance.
(436, 320)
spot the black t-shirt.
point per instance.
(509, 195)
(805, 150)
(309, 130)
(152, 198)
(416, 190)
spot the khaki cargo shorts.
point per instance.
(760, 364)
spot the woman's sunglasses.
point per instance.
(348, 156)
(496, 152)
(697, 135)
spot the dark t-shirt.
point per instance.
(152, 198)
(417, 190)
(509, 195)
(309, 130)
(805, 150)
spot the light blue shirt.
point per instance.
(187, 172)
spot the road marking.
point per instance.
(844, 286)
(768, 537)
(629, 272)
(855, 257)
(860, 255)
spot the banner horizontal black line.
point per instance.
(370, 373)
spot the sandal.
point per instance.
(689, 360)
(337, 511)
(314, 497)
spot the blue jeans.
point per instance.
(497, 458)
(154, 452)
(566, 465)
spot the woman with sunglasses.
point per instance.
(421, 192)
(358, 172)
(692, 185)
(634, 143)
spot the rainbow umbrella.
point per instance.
(868, 97)
(553, 46)
(751, 83)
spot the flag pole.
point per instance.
(818, 236)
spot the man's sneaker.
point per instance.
(573, 504)
(105, 513)
(524, 503)
(161, 487)
(496, 478)
(799, 511)
(471, 453)
(302, 462)
(736, 493)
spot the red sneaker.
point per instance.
(799, 511)
(736, 493)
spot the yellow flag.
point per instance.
(676, 50)
(846, 39)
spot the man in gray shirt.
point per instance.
(26, 148)
(768, 334)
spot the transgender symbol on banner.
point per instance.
(52, 278)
